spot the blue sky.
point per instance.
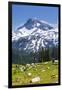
(21, 13)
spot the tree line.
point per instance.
(44, 54)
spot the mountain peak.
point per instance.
(36, 23)
(39, 24)
(35, 34)
(31, 23)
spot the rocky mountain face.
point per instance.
(33, 36)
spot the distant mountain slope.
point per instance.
(34, 35)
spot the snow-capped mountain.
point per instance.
(34, 35)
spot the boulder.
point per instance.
(22, 68)
(36, 79)
(56, 61)
(28, 65)
(46, 63)
(32, 64)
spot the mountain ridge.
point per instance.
(33, 35)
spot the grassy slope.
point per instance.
(22, 78)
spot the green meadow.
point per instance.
(23, 74)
